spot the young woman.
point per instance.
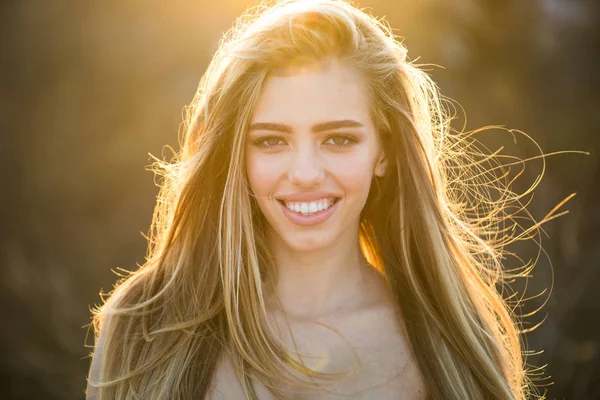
(322, 234)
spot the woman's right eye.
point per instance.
(267, 142)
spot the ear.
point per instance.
(381, 165)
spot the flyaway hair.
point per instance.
(437, 225)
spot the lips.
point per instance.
(331, 200)
(309, 218)
(306, 197)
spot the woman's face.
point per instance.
(312, 152)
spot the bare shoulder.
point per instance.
(92, 392)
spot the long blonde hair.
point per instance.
(434, 225)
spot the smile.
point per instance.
(309, 213)
(309, 208)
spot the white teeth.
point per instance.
(310, 207)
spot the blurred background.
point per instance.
(88, 89)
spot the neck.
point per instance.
(317, 283)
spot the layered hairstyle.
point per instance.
(434, 225)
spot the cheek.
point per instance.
(263, 173)
(354, 174)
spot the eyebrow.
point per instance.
(321, 127)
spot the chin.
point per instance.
(307, 246)
(308, 241)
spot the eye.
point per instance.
(340, 140)
(268, 142)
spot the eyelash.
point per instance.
(260, 142)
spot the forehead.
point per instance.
(305, 95)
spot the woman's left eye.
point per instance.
(339, 140)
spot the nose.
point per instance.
(306, 169)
